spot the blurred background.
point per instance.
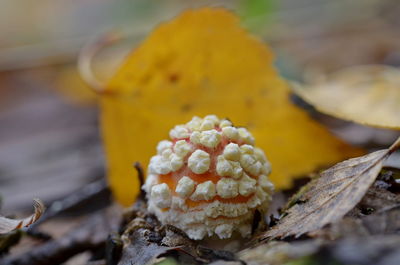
(49, 140)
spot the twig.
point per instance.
(140, 172)
(114, 246)
(86, 193)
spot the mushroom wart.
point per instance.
(209, 179)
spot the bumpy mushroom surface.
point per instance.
(209, 179)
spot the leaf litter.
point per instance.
(359, 238)
(354, 179)
(328, 198)
(145, 239)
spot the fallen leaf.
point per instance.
(368, 95)
(332, 195)
(7, 225)
(203, 62)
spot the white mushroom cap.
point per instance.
(207, 171)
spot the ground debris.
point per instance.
(372, 250)
(139, 250)
(145, 239)
(90, 235)
(377, 200)
(276, 252)
(328, 198)
(9, 240)
(365, 250)
(367, 234)
(378, 213)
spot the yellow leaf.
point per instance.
(202, 62)
(367, 94)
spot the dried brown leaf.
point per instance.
(331, 196)
(7, 225)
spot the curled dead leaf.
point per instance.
(7, 225)
(332, 195)
(367, 94)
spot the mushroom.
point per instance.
(208, 179)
